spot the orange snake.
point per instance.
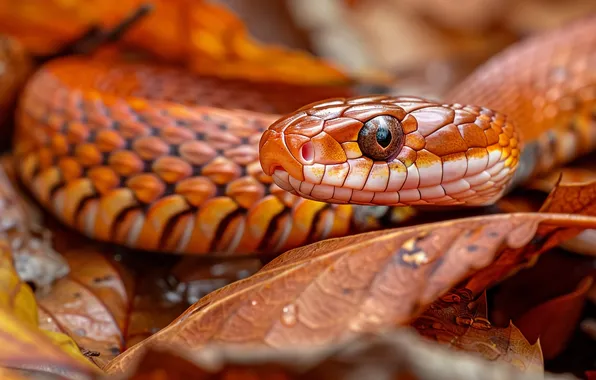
(393, 151)
(154, 158)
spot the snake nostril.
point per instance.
(307, 152)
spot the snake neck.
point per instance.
(545, 84)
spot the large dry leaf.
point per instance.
(207, 37)
(399, 355)
(461, 321)
(369, 282)
(22, 343)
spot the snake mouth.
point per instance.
(461, 192)
(344, 195)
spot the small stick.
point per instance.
(95, 37)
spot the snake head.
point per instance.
(397, 151)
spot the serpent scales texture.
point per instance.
(527, 110)
(153, 158)
(147, 157)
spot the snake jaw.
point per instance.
(446, 155)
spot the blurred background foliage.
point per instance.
(423, 45)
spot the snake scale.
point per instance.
(154, 158)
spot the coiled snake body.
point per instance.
(148, 157)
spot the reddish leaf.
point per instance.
(91, 304)
(571, 200)
(554, 321)
(315, 294)
(225, 47)
(542, 307)
(581, 172)
(459, 321)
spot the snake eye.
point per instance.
(381, 137)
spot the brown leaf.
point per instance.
(461, 322)
(581, 172)
(109, 302)
(315, 294)
(23, 344)
(169, 32)
(91, 304)
(554, 321)
(400, 355)
(541, 307)
(573, 201)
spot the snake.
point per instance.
(154, 158)
(525, 111)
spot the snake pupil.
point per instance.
(383, 136)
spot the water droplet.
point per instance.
(253, 302)
(289, 315)
(49, 320)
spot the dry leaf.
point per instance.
(572, 200)
(369, 282)
(581, 171)
(555, 321)
(396, 355)
(91, 304)
(23, 344)
(460, 321)
(543, 308)
(207, 37)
